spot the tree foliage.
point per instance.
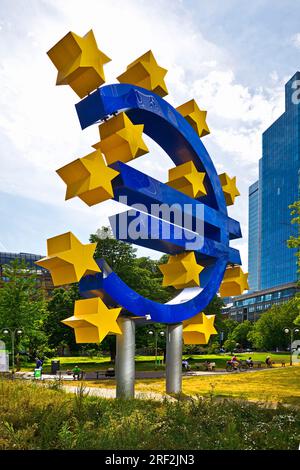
(294, 241)
(268, 332)
(22, 304)
(141, 274)
(60, 307)
(241, 333)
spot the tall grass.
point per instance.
(33, 416)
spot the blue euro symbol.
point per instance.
(169, 129)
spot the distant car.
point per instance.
(248, 350)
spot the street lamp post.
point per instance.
(291, 332)
(156, 333)
(13, 333)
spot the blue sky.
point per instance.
(233, 57)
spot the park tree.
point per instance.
(23, 305)
(228, 326)
(234, 333)
(119, 255)
(61, 306)
(225, 326)
(230, 345)
(294, 243)
(215, 308)
(241, 334)
(294, 240)
(268, 332)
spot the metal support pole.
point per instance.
(125, 364)
(174, 358)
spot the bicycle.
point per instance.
(240, 367)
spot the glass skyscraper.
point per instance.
(254, 237)
(271, 263)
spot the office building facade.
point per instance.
(251, 306)
(271, 262)
(254, 238)
(43, 276)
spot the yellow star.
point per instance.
(197, 118)
(79, 62)
(68, 259)
(93, 321)
(199, 329)
(181, 271)
(146, 73)
(88, 178)
(235, 281)
(187, 179)
(121, 140)
(229, 188)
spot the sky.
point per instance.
(232, 57)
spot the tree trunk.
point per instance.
(112, 349)
(165, 355)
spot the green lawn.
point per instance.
(270, 385)
(147, 363)
(91, 364)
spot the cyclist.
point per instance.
(234, 362)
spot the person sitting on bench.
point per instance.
(76, 372)
(249, 362)
(268, 361)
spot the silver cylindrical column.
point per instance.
(174, 358)
(125, 358)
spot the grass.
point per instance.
(36, 417)
(147, 363)
(92, 364)
(270, 385)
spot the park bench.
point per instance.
(273, 363)
(98, 374)
(94, 375)
(204, 366)
(257, 364)
(110, 372)
(68, 375)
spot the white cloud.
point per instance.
(295, 40)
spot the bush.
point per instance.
(229, 345)
(34, 417)
(214, 348)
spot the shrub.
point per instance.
(34, 417)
